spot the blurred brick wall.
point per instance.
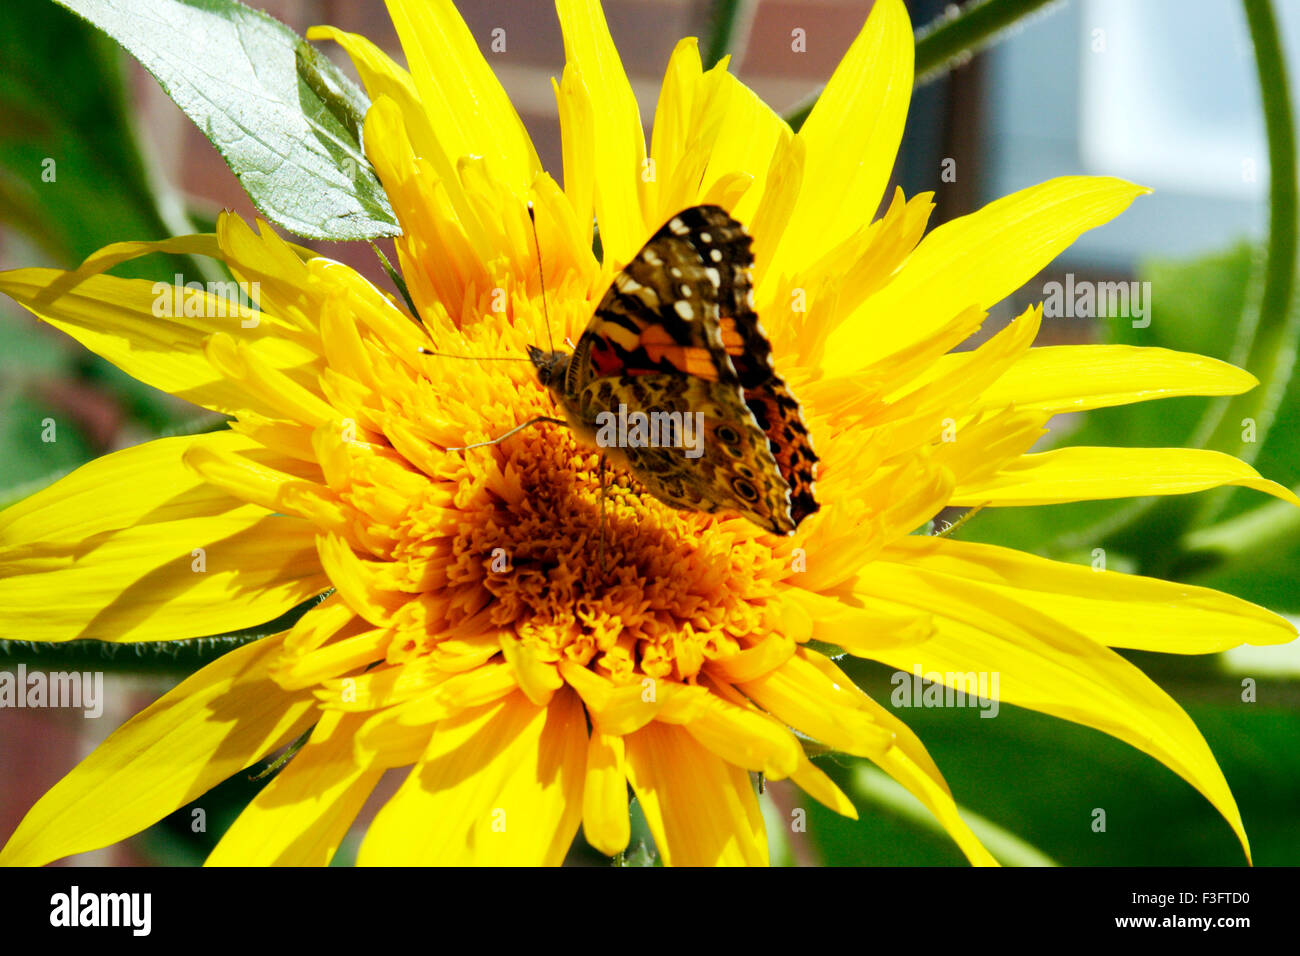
(645, 32)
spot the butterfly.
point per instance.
(676, 336)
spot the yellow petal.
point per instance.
(976, 260)
(814, 782)
(138, 548)
(1045, 665)
(950, 396)
(978, 449)
(537, 678)
(578, 148)
(254, 369)
(118, 252)
(895, 749)
(767, 655)
(210, 726)
(500, 785)
(1072, 378)
(615, 709)
(829, 711)
(619, 140)
(750, 138)
(743, 736)
(852, 138)
(604, 796)
(862, 628)
(1118, 610)
(677, 130)
(301, 816)
(116, 318)
(701, 810)
(468, 110)
(712, 135)
(480, 685)
(255, 477)
(1087, 474)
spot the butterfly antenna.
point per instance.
(541, 275)
(532, 217)
(476, 358)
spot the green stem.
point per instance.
(1271, 357)
(1267, 333)
(727, 18)
(949, 40)
(179, 658)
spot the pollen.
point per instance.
(518, 538)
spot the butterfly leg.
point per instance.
(518, 428)
(602, 515)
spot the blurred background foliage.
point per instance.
(1024, 110)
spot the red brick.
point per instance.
(829, 30)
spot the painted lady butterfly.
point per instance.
(677, 333)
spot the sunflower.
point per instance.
(468, 631)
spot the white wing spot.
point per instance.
(706, 237)
(684, 309)
(675, 272)
(715, 255)
(677, 227)
(651, 257)
(714, 276)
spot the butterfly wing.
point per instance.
(661, 313)
(677, 333)
(710, 453)
(769, 399)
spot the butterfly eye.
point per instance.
(743, 488)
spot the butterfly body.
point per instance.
(676, 336)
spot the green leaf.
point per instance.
(235, 73)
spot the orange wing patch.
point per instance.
(687, 359)
(732, 343)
